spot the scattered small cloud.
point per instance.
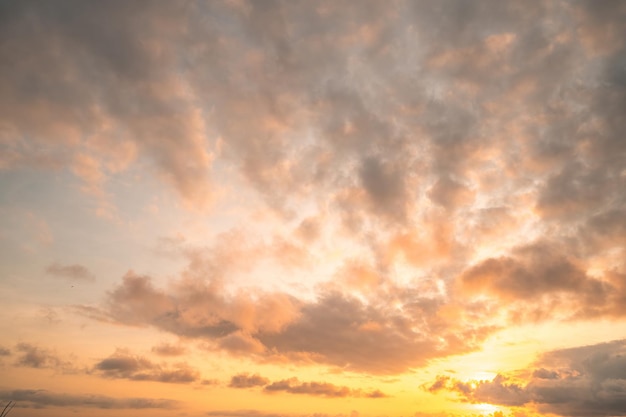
(322, 389)
(33, 356)
(167, 349)
(247, 381)
(72, 272)
(123, 365)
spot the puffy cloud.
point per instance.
(72, 272)
(444, 136)
(124, 365)
(529, 271)
(43, 399)
(541, 279)
(581, 381)
(336, 329)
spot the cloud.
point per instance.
(247, 381)
(440, 140)
(73, 272)
(294, 386)
(384, 184)
(336, 329)
(540, 280)
(4, 351)
(44, 399)
(399, 102)
(33, 356)
(105, 95)
(166, 349)
(136, 368)
(259, 413)
(581, 381)
(324, 389)
(529, 271)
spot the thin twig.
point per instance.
(7, 408)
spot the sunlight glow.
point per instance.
(486, 408)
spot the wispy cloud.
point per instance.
(167, 349)
(33, 356)
(44, 398)
(137, 368)
(323, 389)
(72, 272)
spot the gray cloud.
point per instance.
(258, 413)
(72, 272)
(581, 381)
(427, 130)
(337, 329)
(384, 185)
(166, 349)
(124, 365)
(324, 389)
(247, 381)
(533, 279)
(400, 97)
(294, 386)
(33, 356)
(44, 399)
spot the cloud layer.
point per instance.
(44, 399)
(366, 187)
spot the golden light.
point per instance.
(486, 408)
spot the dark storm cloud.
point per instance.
(124, 365)
(582, 381)
(73, 272)
(44, 399)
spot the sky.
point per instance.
(313, 208)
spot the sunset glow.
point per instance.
(260, 208)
